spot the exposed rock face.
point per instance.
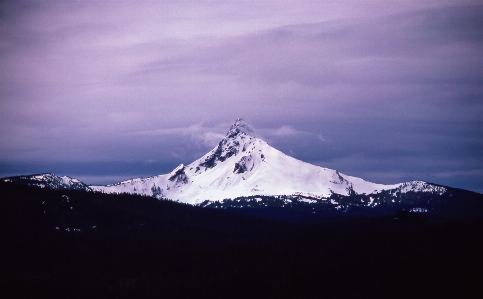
(241, 165)
(178, 175)
(238, 134)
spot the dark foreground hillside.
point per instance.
(125, 246)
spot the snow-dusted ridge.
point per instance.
(50, 181)
(242, 165)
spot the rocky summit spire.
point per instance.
(240, 126)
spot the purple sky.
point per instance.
(388, 91)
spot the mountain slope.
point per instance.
(243, 165)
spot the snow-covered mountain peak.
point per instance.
(240, 126)
(238, 140)
(243, 165)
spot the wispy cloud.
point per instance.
(209, 136)
(287, 131)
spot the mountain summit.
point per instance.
(240, 126)
(242, 165)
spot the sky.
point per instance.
(104, 91)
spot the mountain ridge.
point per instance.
(242, 165)
(50, 181)
(243, 170)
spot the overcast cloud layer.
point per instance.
(388, 91)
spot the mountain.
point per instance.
(49, 181)
(243, 171)
(242, 166)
